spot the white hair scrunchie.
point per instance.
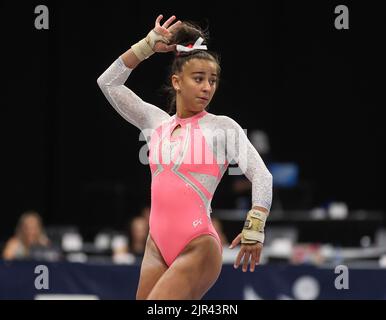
(196, 46)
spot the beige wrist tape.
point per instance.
(253, 230)
(145, 48)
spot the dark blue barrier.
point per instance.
(271, 281)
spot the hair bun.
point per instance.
(188, 33)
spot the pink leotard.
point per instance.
(185, 168)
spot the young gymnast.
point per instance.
(189, 153)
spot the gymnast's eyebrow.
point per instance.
(203, 72)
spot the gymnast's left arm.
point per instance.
(240, 149)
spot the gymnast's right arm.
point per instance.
(131, 107)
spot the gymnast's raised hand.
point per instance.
(166, 32)
(157, 40)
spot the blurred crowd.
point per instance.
(31, 241)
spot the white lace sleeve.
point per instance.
(240, 149)
(131, 107)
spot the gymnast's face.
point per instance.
(195, 85)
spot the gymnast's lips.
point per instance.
(203, 98)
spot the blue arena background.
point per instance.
(109, 281)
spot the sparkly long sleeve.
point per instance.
(131, 107)
(240, 149)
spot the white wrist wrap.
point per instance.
(145, 48)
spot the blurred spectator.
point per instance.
(29, 236)
(145, 212)
(218, 226)
(138, 232)
(126, 248)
